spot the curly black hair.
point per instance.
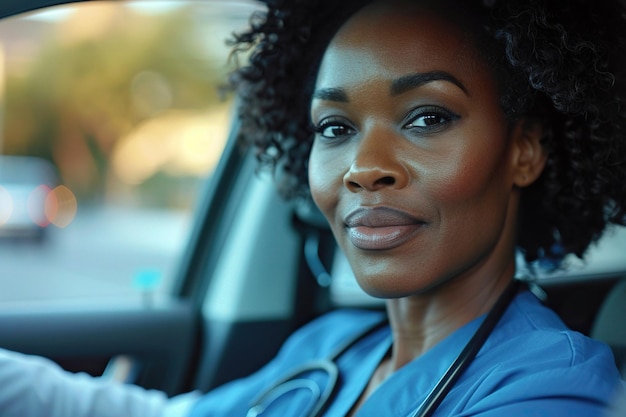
(560, 62)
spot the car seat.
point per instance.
(610, 324)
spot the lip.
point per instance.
(381, 228)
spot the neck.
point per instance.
(421, 321)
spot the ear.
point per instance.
(529, 155)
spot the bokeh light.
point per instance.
(61, 206)
(6, 205)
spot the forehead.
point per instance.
(392, 40)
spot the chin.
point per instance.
(386, 287)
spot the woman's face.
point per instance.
(412, 159)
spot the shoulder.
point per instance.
(542, 341)
(534, 362)
(538, 333)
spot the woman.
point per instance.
(438, 137)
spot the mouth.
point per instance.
(381, 228)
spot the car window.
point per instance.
(113, 117)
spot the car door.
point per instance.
(163, 255)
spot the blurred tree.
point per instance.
(105, 70)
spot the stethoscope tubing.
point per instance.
(469, 352)
(297, 378)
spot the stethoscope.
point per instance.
(321, 398)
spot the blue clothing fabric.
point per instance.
(531, 365)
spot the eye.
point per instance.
(333, 128)
(429, 119)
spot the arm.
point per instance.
(32, 386)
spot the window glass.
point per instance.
(112, 117)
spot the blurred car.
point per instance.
(25, 184)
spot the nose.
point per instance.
(376, 164)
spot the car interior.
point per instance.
(255, 268)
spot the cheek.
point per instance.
(457, 181)
(466, 173)
(324, 178)
(471, 195)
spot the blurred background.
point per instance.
(112, 117)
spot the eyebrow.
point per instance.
(398, 86)
(411, 81)
(331, 94)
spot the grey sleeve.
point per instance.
(32, 386)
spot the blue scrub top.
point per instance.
(531, 365)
